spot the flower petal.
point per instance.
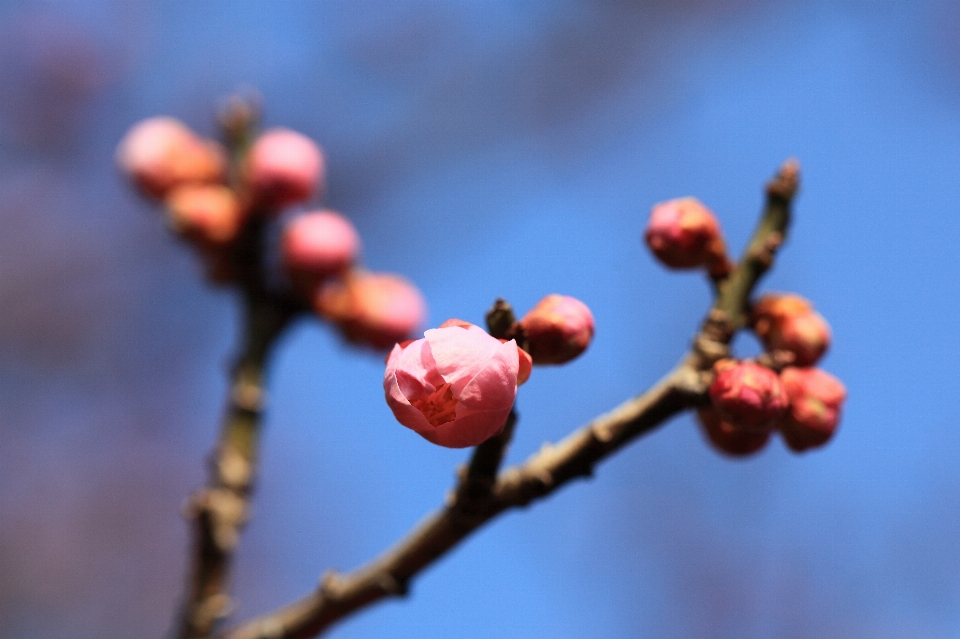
(416, 370)
(470, 430)
(494, 387)
(460, 353)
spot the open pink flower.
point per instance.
(455, 387)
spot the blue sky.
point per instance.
(489, 149)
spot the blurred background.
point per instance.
(489, 148)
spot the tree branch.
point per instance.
(554, 465)
(219, 511)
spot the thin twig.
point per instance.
(554, 465)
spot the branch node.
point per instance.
(765, 252)
(785, 183)
(270, 628)
(234, 470)
(328, 584)
(543, 479)
(602, 435)
(249, 396)
(391, 585)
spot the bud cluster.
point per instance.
(749, 401)
(318, 249)
(801, 402)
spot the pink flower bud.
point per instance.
(377, 309)
(789, 323)
(455, 387)
(729, 439)
(209, 214)
(318, 244)
(161, 153)
(283, 167)
(747, 395)
(683, 233)
(815, 400)
(558, 329)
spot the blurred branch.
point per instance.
(219, 511)
(554, 465)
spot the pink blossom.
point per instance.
(747, 395)
(283, 167)
(815, 401)
(455, 387)
(683, 233)
(161, 153)
(376, 309)
(209, 214)
(319, 243)
(558, 329)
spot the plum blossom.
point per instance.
(683, 233)
(319, 243)
(455, 386)
(283, 167)
(161, 153)
(558, 329)
(376, 309)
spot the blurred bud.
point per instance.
(815, 400)
(747, 395)
(161, 153)
(318, 244)
(455, 387)
(283, 167)
(683, 233)
(789, 323)
(558, 329)
(729, 439)
(377, 309)
(209, 214)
